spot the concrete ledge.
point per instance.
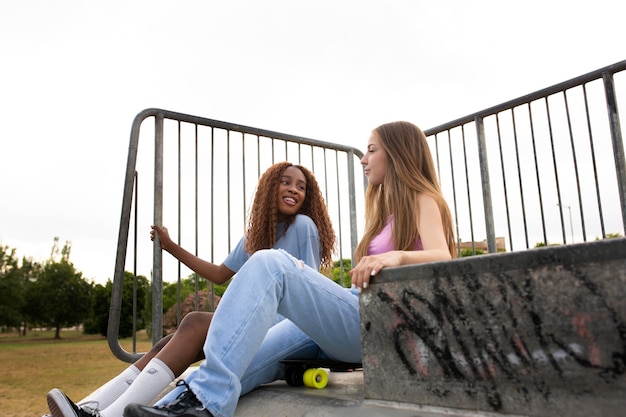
(540, 332)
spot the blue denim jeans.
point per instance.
(244, 344)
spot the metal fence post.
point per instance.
(157, 265)
(616, 139)
(486, 187)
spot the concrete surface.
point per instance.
(342, 397)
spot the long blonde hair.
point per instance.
(410, 172)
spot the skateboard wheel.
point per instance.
(294, 377)
(315, 378)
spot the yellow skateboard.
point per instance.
(312, 372)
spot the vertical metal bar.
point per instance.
(157, 263)
(504, 187)
(456, 210)
(179, 222)
(556, 170)
(595, 167)
(195, 222)
(228, 188)
(469, 196)
(244, 191)
(135, 263)
(212, 212)
(519, 179)
(573, 145)
(486, 185)
(339, 228)
(437, 158)
(258, 156)
(532, 135)
(352, 198)
(616, 140)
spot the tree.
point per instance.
(29, 271)
(12, 289)
(188, 286)
(98, 320)
(144, 290)
(340, 270)
(170, 318)
(60, 296)
(543, 244)
(15, 280)
(611, 235)
(187, 295)
(469, 252)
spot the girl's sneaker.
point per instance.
(61, 406)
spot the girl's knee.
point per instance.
(262, 255)
(195, 321)
(272, 257)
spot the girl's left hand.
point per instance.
(370, 265)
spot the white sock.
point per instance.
(111, 391)
(154, 378)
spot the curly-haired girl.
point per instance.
(288, 213)
(267, 212)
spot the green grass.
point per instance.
(33, 365)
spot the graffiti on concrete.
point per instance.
(520, 330)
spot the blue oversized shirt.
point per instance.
(302, 241)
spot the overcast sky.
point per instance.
(74, 74)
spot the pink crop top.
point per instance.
(383, 242)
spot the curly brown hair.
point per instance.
(263, 217)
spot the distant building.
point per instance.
(500, 245)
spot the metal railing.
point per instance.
(554, 150)
(556, 156)
(202, 175)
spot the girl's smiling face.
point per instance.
(374, 161)
(291, 191)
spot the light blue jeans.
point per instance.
(244, 344)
